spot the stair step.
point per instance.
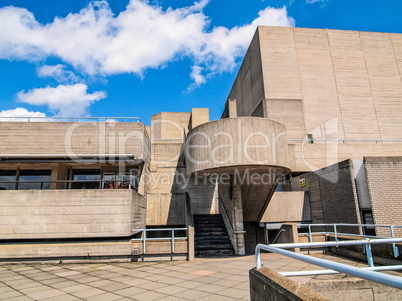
(217, 222)
(212, 247)
(200, 234)
(228, 252)
(209, 229)
(212, 237)
(215, 218)
(213, 242)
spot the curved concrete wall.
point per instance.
(224, 145)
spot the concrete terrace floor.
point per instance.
(204, 279)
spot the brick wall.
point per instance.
(384, 180)
(332, 194)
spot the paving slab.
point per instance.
(224, 278)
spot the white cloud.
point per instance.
(315, 1)
(6, 115)
(197, 76)
(58, 72)
(141, 37)
(64, 100)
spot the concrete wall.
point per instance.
(56, 214)
(330, 83)
(234, 142)
(74, 138)
(384, 180)
(248, 88)
(166, 209)
(167, 177)
(169, 125)
(286, 206)
(354, 290)
(198, 116)
(80, 250)
(332, 194)
(267, 285)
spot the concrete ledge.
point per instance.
(354, 289)
(65, 249)
(266, 284)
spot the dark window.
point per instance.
(86, 179)
(7, 176)
(34, 179)
(367, 216)
(113, 180)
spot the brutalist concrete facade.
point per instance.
(307, 104)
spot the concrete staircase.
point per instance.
(211, 236)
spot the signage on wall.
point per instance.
(302, 182)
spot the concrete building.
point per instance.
(311, 133)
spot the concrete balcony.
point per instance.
(60, 214)
(237, 144)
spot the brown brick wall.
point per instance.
(384, 180)
(332, 193)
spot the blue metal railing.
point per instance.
(336, 232)
(172, 238)
(335, 267)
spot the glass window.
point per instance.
(86, 179)
(118, 180)
(34, 179)
(7, 176)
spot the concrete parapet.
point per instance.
(74, 138)
(237, 143)
(75, 213)
(354, 289)
(267, 285)
(62, 250)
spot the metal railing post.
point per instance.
(369, 255)
(394, 247)
(309, 232)
(143, 241)
(257, 257)
(172, 241)
(336, 234)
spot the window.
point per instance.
(118, 180)
(7, 176)
(34, 179)
(367, 217)
(86, 179)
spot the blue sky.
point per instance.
(137, 58)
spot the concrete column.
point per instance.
(58, 173)
(238, 218)
(190, 243)
(232, 107)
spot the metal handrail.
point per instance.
(130, 186)
(277, 235)
(144, 238)
(368, 274)
(336, 233)
(51, 118)
(348, 140)
(168, 139)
